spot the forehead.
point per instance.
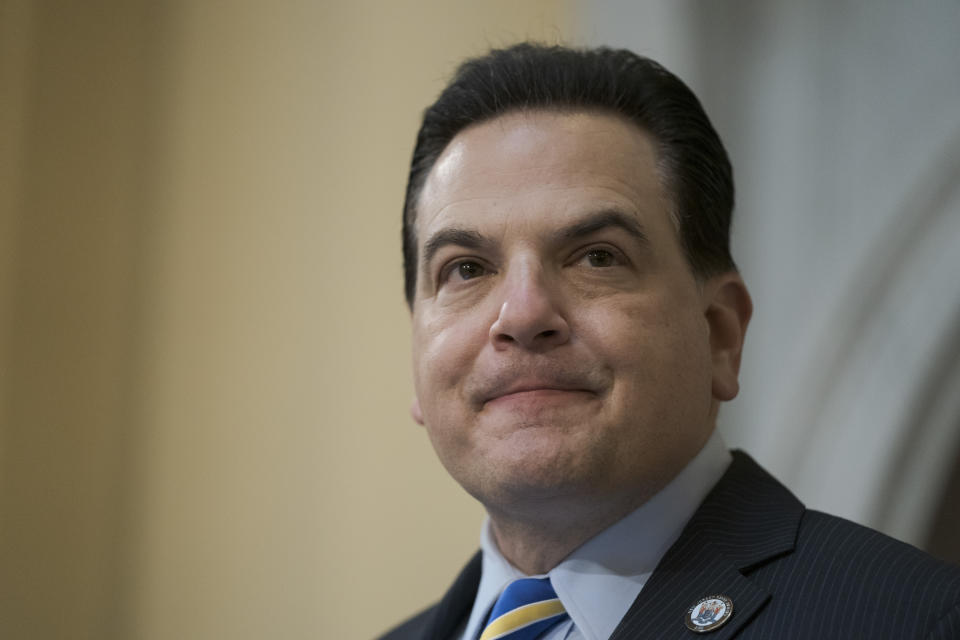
(541, 163)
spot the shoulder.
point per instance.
(413, 628)
(852, 581)
(842, 551)
(443, 619)
(824, 576)
(862, 549)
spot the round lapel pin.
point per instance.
(709, 613)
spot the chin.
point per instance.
(524, 474)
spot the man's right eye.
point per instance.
(467, 270)
(458, 271)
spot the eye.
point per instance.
(462, 270)
(601, 258)
(468, 270)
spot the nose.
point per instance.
(529, 314)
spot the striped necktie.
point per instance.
(525, 609)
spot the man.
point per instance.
(577, 321)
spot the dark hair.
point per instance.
(691, 158)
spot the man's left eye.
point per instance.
(600, 258)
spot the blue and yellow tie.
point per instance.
(525, 609)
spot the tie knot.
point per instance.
(525, 609)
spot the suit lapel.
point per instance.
(748, 519)
(660, 609)
(456, 603)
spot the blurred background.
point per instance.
(204, 383)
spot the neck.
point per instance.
(535, 545)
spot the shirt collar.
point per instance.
(599, 581)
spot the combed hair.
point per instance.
(692, 162)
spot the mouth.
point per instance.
(525, 394)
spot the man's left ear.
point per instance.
(728, 310)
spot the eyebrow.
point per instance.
(456, 236)
(604, 219)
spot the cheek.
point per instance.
(444, 353)
(626, 334)
(656, 350)
(444, 356)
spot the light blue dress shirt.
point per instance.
(599, 581)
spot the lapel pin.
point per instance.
(709, 613)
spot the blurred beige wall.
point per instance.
(75, 123)
(204, 357)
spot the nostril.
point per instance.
(534, 324)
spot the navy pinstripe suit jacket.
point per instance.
(791, 573)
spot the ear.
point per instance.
(728, 310)
(415, 412)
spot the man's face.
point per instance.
(561, 345)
